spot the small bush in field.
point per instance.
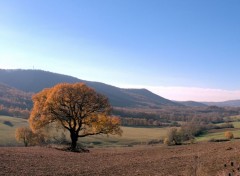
(25, 135)
(166, 141)
(174, 137)
(229, 135)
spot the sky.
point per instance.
(181, 50)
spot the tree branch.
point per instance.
(89, 134)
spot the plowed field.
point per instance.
(196, 159)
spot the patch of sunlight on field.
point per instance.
(217, 135)
(8, 126)
(236, 124)
(130, 136)
(235, 118)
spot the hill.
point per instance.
(192, 103)
(14, 102)
(230, 103)
(12, 97)
(36, 80)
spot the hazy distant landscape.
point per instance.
(146, 120)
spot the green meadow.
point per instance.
(220, 135)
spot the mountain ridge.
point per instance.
(192, 103)
(229, 103)
(36, 80)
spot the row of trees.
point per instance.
(14, 111)
(211, 114)
(145, 122)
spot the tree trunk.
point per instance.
(74, 138)
(25, 142)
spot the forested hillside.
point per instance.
(145, 107)
(14, 102)
(36, 80)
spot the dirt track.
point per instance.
(197, 159)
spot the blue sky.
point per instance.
(163, 45)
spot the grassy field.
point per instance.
(217, 135)
(234, 118)
(8, 126)
(236, 124)
(130, 135)
(220, 135)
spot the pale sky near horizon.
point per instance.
(181, 50)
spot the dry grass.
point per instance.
(130, 136)
(8, 126)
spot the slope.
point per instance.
(12, 97)
(192, 103)
(36, 80)
(230, 103)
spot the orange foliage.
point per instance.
(229, 135)
(77, 108)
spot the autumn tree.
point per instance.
(25, 135)
(77, 108)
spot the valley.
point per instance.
(146, 120)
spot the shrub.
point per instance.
(25, 135)
(192, 129)
(166, 141)
(229, 135)
(174, 137)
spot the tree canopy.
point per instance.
(76, 107)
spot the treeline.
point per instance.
(146, 122)
(14, 112)
(169, 116)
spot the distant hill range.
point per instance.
(32, 81)
(14, 102)
(17, 86)
(230, 103)
(14, 98)
(192, 103)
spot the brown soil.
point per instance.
(196, 159)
